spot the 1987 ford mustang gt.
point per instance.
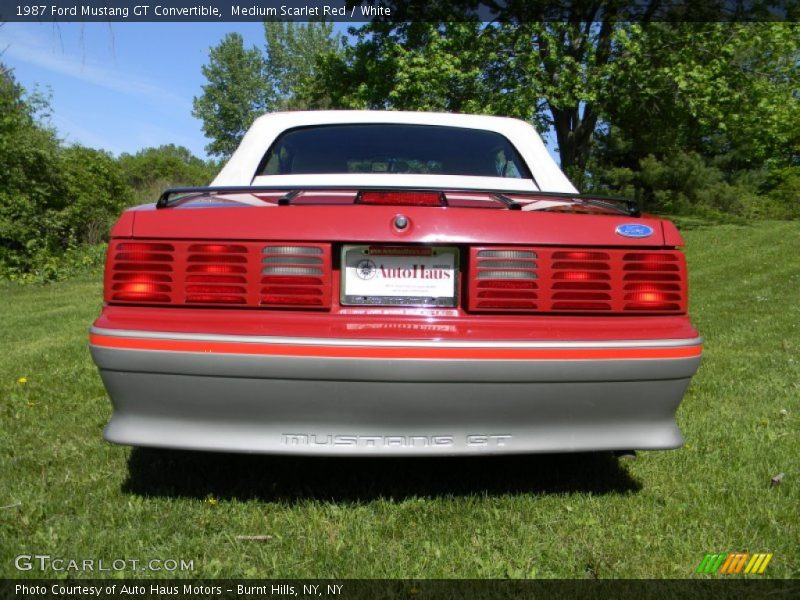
(390, 283)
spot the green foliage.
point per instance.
(95, 186)
(31, 189)
(171, 163)
(684, 183)
(48, 267)
(52, 199)
(419, 66)
(150, 171)
(245, 83)
(784, 188)
(236, 93)
(714, 88)
(57, 203)
(292, 52)
(552, 74)
(714, 100)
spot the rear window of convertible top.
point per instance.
(393, 148)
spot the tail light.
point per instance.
(504, 279)
(297, 275)
(580, 281)
(246, 274)
(140, 272)
(216, 274)
(653, 281)
(550, 280)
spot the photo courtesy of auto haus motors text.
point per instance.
(182, 590)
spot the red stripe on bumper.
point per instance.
(444, 352)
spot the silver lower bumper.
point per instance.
(382, 407)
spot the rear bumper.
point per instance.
(391, 397)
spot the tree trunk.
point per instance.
(574, 135)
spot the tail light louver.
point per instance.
(576, 280)
(246, 274)
(652, 281)
(580, 281)
(216, 274)
(141, 272)
(505, 279)
(296, 275)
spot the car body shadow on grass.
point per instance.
(174, 473)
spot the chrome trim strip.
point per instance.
(383, 343)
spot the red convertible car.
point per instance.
(390, 283)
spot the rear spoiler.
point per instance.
(623, 205)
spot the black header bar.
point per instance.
(396, 11)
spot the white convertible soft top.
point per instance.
(242, 167)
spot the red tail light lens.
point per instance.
(287, 300)
(580, 255)
(218, 248)
(139, 273)
(216, 269)
(654, 282)
(144, 247)
(141, 291)
(576, 281)
(216, 274)
(580, 281)
(296, 276)
(580, 276)
(243, 274)
(504, 279)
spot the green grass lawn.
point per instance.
(67, 493)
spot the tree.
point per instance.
(245, 83)
(236, 93)
(549, 73)
(169, 165)
(31, 190)
(51, 197)
(703, 86)
(292, 52)
(719, 89)
(97, 192)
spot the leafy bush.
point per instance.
(173, 164)
(45, 267)
(31, 190)
(57, 203)
(150, 171)
(784, 188)
(97, 191)
(684, 183)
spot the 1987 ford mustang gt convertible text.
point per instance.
(389, 283)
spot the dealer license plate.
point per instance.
(399, 275)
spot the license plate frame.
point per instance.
(402, 276)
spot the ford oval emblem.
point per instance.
(634, 230)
